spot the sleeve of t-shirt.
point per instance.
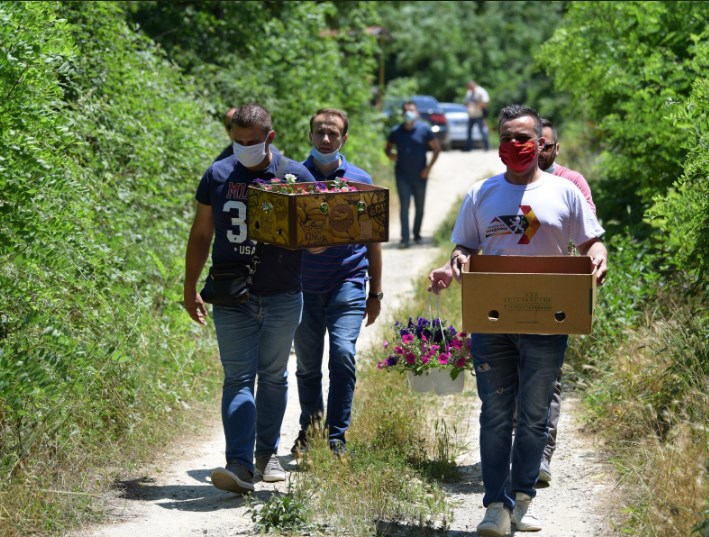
(202, 194)
(465, 232)
(585, 189)
(584, 225)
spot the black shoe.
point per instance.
(403, 245)
(338, 448)
(418, 240)
(301, 445)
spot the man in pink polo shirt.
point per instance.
(547, 158)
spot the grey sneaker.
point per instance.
(234, 478)
(544, 471)
(522, 516)
(496, 522)
(270, 469)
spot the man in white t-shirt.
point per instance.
(476, 101)
(524, 211)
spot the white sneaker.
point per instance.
(523, 517)
(270, 469)
(496, 522)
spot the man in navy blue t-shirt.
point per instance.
(335, 297)
(254, 336)
(413, 139)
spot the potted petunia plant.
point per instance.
(433, 355)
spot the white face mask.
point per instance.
(250, 155)
(410, 116)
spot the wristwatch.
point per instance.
(379, 296)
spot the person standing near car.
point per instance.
(476, 101)
(413, 139)
(335, 298)
(524, 211)
(254, 335)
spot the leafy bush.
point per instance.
(102, 142)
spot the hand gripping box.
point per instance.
(528, 294)
(317, 219)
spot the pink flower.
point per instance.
(425, 359)
(386, 344)
(398, 350)
(443, 358)
(410, 358)
(407, 338)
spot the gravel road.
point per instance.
(174, 498)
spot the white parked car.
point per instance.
(457, 117)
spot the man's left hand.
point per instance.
(372, 310)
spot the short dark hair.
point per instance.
(409, 102)
(547, 124)
(514, 111)
(252, 115)
(228, 117)
(331, 112)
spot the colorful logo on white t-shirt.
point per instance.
(525, 224)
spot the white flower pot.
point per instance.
(437, 381)
(420, 383)
(444, 385)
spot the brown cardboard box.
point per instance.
(528, 294)
(297, 221)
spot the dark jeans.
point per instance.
(508, 367)
(407, 187)
(340, 313)
(480, 122)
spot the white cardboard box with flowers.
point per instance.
(434, 357)
(324, 213)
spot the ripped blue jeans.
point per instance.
(509, 367)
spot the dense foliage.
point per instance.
(439, 46)
(641, 60)
(101, 142)
(291, 57)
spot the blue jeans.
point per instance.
(340, 312)
(406, 187)
(508, 367)
(255, 340)
(480, 123)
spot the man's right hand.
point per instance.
(195, 307)
(440, 278)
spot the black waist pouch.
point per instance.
(226, 285)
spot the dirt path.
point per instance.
(176, 499)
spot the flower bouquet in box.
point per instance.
(434, 356)
(288, 185)
(297, 215)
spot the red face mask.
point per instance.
(517, 156)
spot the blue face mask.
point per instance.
(325, 158)
(410, 116)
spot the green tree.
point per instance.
(292, 57)
(445, 44)
(102, 142)
(627, 67)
